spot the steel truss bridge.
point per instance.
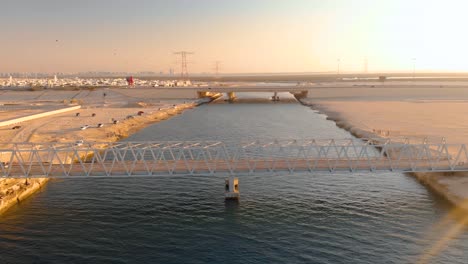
(138, 159)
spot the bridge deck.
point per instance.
(209, 158)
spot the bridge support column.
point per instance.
(231, 191)
(202, 94)
(275, 97)
(231, 96)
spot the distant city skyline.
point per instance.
(257, 36)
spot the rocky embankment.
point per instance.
(13, 191)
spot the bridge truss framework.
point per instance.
(138, 159)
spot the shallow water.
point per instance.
(291, 218)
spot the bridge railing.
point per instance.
(209, 157)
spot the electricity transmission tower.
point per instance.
(183, 63)
(217, 65)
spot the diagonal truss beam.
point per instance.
(228, 158)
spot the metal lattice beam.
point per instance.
(214, 157)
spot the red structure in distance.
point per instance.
(130, 80)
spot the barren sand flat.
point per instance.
(160, 93)
(67, 127)
(434, 113)
(93, 96)
(107, 103)
(432, 119)
(383, 93)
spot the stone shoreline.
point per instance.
(17, 190)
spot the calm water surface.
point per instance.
(299, 218)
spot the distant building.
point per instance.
(130, 80)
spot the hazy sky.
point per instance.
(246, 35)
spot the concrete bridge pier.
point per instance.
(202, 94)
(231, 96)
(275, 97)
(231, 191)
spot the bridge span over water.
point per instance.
(146, 159)
(299, 90)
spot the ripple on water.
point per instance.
(299, 218)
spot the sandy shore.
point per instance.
(405, 113)
(132, 109)
(418, 119)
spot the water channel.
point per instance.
(290, 218)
